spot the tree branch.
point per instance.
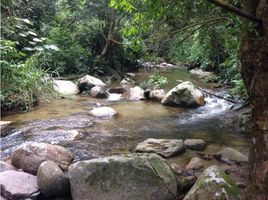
(235, 10)
(192, 25)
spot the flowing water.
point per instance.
(66, 122)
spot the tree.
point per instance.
(254, 71)
(254, 59)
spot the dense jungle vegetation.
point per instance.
(63, 38)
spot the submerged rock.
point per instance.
(30, 155)
(195, 144)
(51, 180)
(98, 92)
(136, 93)
(157, 95)
(103, 112)
(200, 73)
(185, 94)
(129, 177)
(231, 155)
(163, 147)
(214, 185)
(4, 166)
(18, 185)
(87, 82)
(65, 87)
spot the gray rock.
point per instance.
(136, 93)
(6, 166)
(163, 147)
(30, 155)
(195, 163)
(200, 73)
(157, 95)
(98, 92)
(51, 180)
(4, 125)
(214, 185)
(195, 144)
(18, 185)
(128, 177)
(65, 87)
(87, 82)
(103, 112)
(231, 155)
(185, 94)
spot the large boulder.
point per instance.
(214, 185)
(103, 112)
(51, 180)
(195, 144)
(128, 177)
(136, 93)
(98, 92)
(87, 82)
(65, 87)
(185, 94)
(157, 95)
(231, 155)
(30, 155)
(163, 147)
(4, 166)
(18, 185)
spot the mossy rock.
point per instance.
(214, 184)
(128, 177)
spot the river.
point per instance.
(66, 122)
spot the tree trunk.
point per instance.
(254, 60)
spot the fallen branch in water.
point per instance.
(212, 94)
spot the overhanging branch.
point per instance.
(235, 10)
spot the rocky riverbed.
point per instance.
(116, 143)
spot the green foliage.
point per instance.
(22, 83)
(155, 81)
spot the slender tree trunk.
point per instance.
(254, 60)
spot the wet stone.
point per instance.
(195, 144)
(163, 147)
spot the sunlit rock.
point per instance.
(128, 177)
(30, 155)
(185, 94)
(87, 82)
(65, 87)
(213, 185)
(195, 163)
(163, 147)
(103, 112)
(136, 93)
